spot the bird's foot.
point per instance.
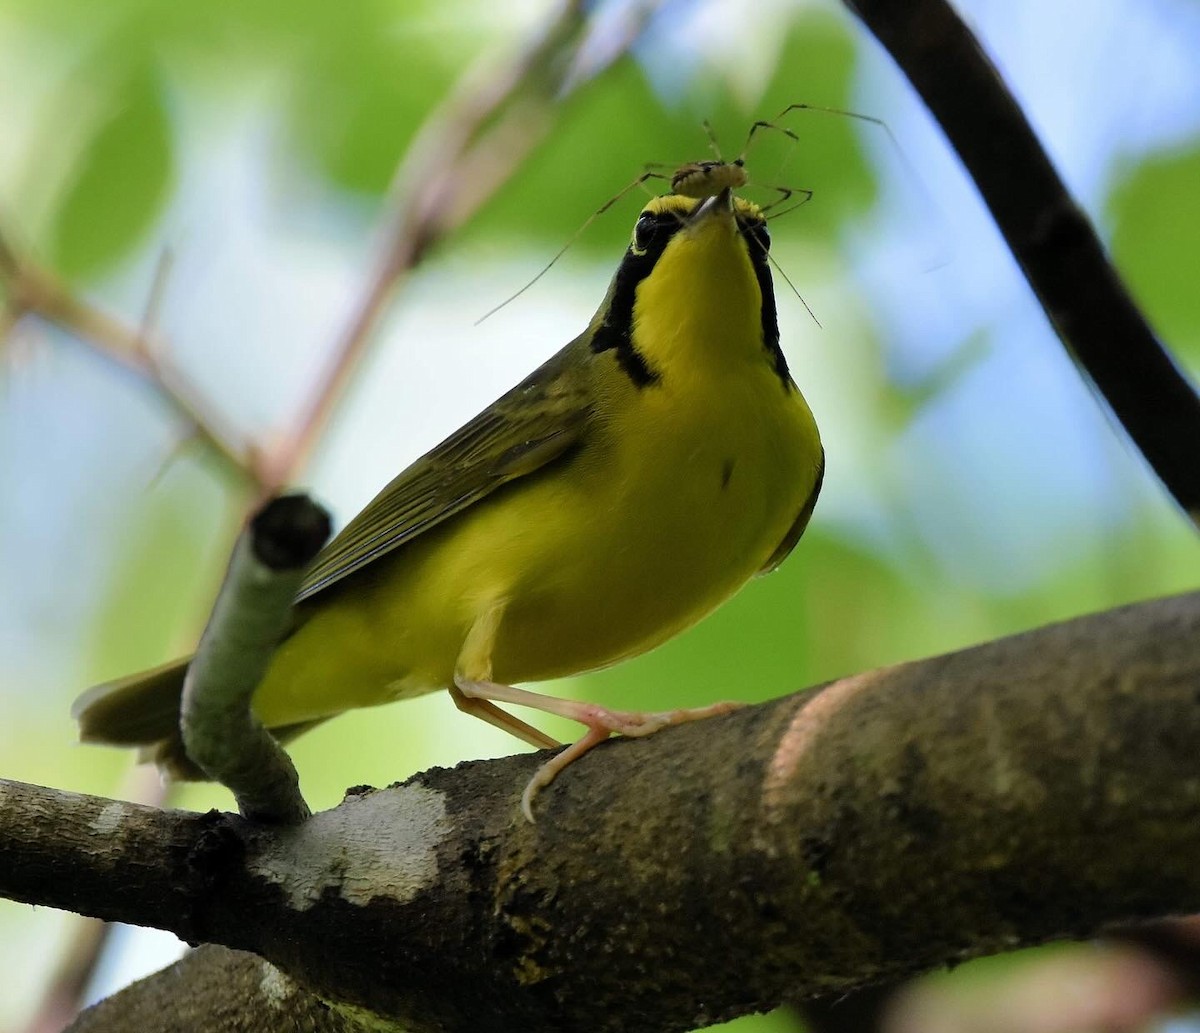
(601, 722)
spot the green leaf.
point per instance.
(120, 187)
(1156, 215)
(365, 82)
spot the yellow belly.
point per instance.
(662, 515)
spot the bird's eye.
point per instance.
(644, 232)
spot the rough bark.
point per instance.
(1035, 787)
(216, 989)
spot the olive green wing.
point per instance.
(801, 522)
(531, 425)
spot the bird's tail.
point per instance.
(142, 710)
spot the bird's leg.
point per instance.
(476, 657)
(493, 715)
(600, 721)
(473, 686)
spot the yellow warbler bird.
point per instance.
(610, 500)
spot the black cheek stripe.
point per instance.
(770, 316)
(616, 332)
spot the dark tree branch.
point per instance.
(861, 1011)
(213, 989)
(1050, 237)
(1175, 947)
(1036, 787)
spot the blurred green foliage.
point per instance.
(355, 84)
(1155, 244)
(122, 181)
(114, 94)
(620, 126)
(144, 610)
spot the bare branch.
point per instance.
(1049, 235)
(889, 822)
(35, 290)
(467, 148)
(250, 618)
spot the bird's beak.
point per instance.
(718, 204)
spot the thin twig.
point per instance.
(72, 972)
(154, 302)
(35, 290)
(10, 265)
(465, 150)
(10, 316)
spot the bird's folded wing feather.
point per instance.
(783, 550)
(531, 425)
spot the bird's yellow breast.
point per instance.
(672, 505)
(689, 493)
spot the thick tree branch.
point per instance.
(1036, 787)
(35, 290)
(1049, 235)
